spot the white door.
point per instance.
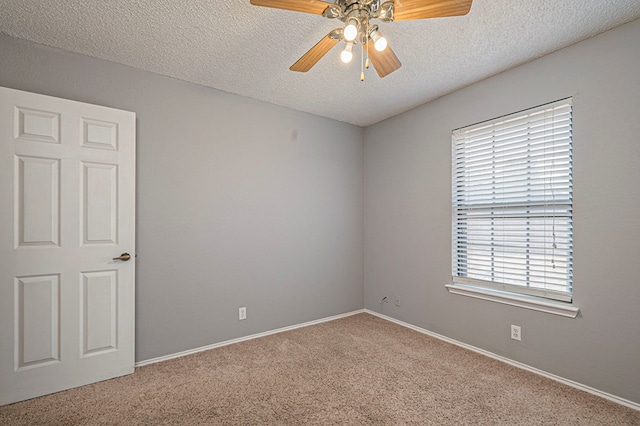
(67, 181)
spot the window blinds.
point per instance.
(512, 203)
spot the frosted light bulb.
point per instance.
(350, 30)
(380, 44)
(346, 55)
(379, 41)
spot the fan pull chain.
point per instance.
(362, 64)
(366, 64)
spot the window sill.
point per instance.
(527, 302)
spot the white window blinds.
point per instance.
(512, 203)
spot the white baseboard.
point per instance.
(567, 382)
(242, 339)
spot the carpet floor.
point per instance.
(358, 370)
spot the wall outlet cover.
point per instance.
(516, 332)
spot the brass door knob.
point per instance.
(124, 257)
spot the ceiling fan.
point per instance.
(357, 16)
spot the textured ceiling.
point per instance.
(247, 50)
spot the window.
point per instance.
(512, 200)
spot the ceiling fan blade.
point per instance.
(316, 53)
(384, 62)
(316, 7)
(406, 10)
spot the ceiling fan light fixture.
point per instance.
(351, 29)
(357, 16)
(379, 41)
(346, 55)
(333, 11)
(385, 11)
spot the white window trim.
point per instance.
(512, 299)
(544, 300)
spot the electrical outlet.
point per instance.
(242, 313)
(516, 332)
(397, 300)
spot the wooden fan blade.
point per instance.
(384, 62)
(307, 6)
(406, 10)
(314, 54)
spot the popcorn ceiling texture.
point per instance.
(247, 50)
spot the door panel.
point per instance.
(99, 203)
(99, 134)
(37, 201)
(35, 125)
(67, 191)
(99, 311)
(37, 318)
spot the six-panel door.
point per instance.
(67, 182)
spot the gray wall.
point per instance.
(239, 202)
(408, 215)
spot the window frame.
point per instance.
(504, 292)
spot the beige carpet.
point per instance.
(358, 370)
